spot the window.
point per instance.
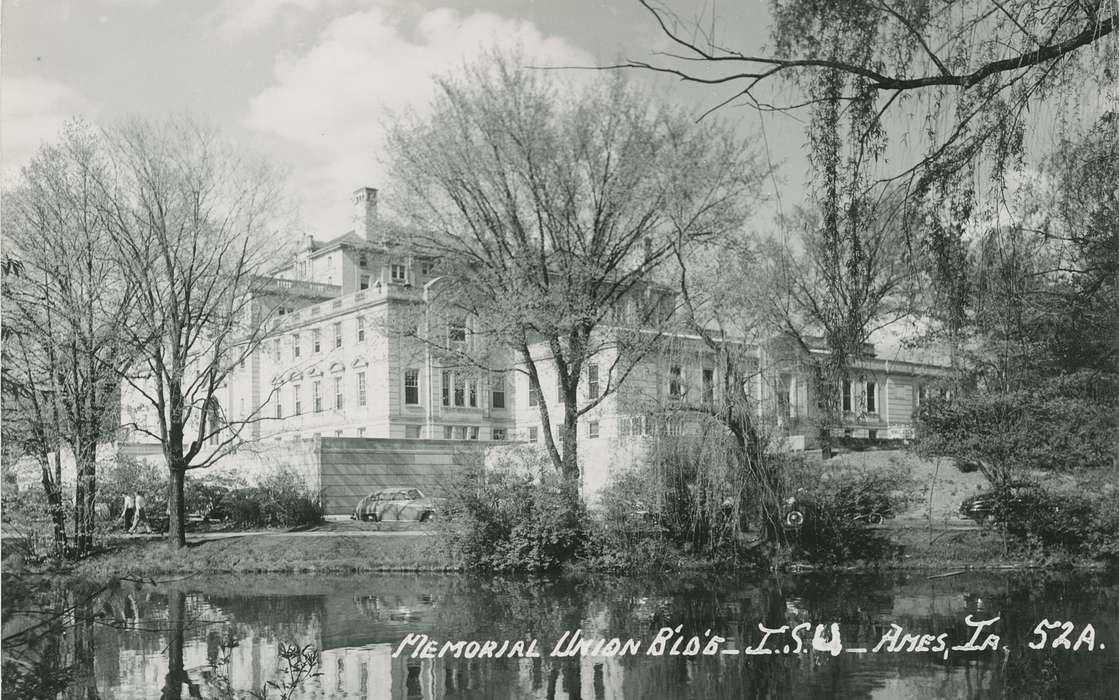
(592, 381)
(399, 273)
(412, 432)
(448, 432)
(298, 410)
(872, 434)
(847, 405)
(338, 396)
(316, 396)
(499, 434)
(412, 387)
(497, 392)
(473, 432)
(295, 346)
(363, 282)
(456, 331)
(871, 397)
(457, 391)
(533, 434)
(276, 350)
(785, 396)
(675, 382)
(922, 394)
(533, 394)
(360, 330)
(363, 262)
(425, 267)
(279, 403)
(361, 389)
(592, 429)
(337, 335)
(316, 344)
(361, 432)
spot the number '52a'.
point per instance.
(1058, 635)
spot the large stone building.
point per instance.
(342, 359)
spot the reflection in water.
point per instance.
(222, 639)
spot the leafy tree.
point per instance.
(66, 304)
(1042, 389)
(550, 205)
(945, 90)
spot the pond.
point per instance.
(222, 637)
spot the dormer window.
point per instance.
(398, 273)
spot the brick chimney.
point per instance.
(365, 213)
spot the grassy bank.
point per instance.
(337, 554)
(272, 553)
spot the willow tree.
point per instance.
(550, 203)
(939, 99)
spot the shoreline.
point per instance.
(340, 554)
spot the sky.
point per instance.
(310, 83)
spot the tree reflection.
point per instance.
(177, 677)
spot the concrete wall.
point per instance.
(350, 468)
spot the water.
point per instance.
(220, 637)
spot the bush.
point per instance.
(1068, 523)
(510, 522)
(279, 500)
(833, 531)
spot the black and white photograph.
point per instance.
(559, 349)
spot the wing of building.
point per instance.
(343, 389)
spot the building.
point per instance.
(343, 359)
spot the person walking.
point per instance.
(140, 503)
(128, 511)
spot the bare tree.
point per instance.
(550, 205)
(191, 220)
(65, 304)
(834, 293)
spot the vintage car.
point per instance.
(401, 503)
(1009, 501)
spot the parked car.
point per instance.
(870, 508)
(401, 503)
(1001, 503)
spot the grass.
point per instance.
(268, 554)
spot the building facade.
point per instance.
(343, 358)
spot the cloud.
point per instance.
(33, 110)
(236, 19)
(331, 101)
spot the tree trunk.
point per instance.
(54, 505)
(176, 518)
(85, 496)
(826, 386)
(569, 438)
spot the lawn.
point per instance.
(272, 553)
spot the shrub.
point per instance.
(279, 500)
(833, 531)
(507, 521)
(1069, 523)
